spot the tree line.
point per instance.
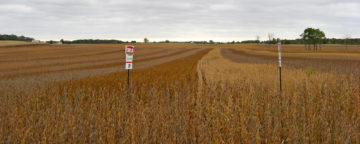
(92, 41)
(310, 37)
(273, 41)
(15, 37)
(325, 41)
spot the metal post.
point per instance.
(279, 50)
(128, 77)
(280, 79)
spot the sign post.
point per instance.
(279, 50)
(129, 53)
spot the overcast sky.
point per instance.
(182, 20)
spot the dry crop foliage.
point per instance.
(209, 97)
(243, 103)
(101, 110)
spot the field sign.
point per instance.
(128, 66)
(129, 52)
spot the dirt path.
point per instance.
(215, 68)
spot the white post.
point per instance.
(279, 50)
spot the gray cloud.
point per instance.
(223, 20)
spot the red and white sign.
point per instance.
(129, 49)
(129, 52)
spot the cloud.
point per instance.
(224, 20)
(15, 8)
(347, 10)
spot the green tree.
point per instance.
(314, 37)
(146, 40)
(62, 41)
(15, 37)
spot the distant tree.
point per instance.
(167, 41)
(146, 40)
(62, 40)
(211, 42)
(270, 41)
(93, 41)
(258, 39)
(271, 37)
(313, 37)
(347, 40)
(22, 38)
(307, 37)
(250, 41)
(302, 41)
(233, 42)
(278, 40)
(15, 37)
(133, 41)
(319, 38)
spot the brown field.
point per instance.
(7, 43)
(179, 93)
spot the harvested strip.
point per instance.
(11, 76)
(52, 53)
(27, 50)
(37, 51)
(91, 59)
(326, 49)
(324, 65)
(272, 56)
(62, 56)
(32, 81)
(62, 51)
(41, 48)
(176, 70)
